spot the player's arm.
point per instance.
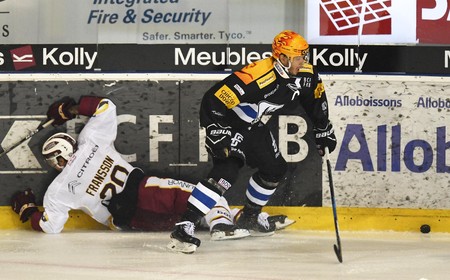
(213, 117)
(24, 204)
(67, 108)
(50, 221)
(316, 107)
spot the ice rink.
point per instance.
(289, 254)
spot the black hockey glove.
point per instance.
(59, 111)
(23, 203)
(325, 138)
(218, 140)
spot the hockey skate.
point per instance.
(182, 238)
(280, 221)
(258, 225)
(227, 232)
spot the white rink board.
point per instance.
(400, 160)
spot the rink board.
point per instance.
(390, 167)
(393, 141)
(307, 218)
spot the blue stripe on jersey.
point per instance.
(203, 198)
(248, 110)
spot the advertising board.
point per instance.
(217, 58)
(393, 140)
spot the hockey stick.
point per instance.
(337, 248)
(39, 128)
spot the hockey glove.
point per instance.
(218, 140)
(325, 138)
(59, 111)
(23, 203)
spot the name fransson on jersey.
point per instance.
(100, 176)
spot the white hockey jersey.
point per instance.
(94, 173)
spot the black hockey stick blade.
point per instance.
(18, 143)
(338, 252)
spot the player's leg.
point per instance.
(204, 197)
(221, 224)
(265, 155)
(161, 202)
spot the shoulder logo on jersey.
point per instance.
(227, 97)
(102, 107)
(266, 79)
(239, 89)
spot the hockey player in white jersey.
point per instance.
(96, 179)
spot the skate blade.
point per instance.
(181, 247)
(281, 225)
(229, 235)
(255, 233)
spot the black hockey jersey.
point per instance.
(263, 87)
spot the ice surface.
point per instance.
(289, 254)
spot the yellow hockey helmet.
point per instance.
(289, 43)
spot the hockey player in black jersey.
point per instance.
(231, 112)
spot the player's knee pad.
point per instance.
(205, 196)
(274, 174)
(270, 183)
(219, 214)
(207, 192)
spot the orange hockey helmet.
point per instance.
(289, 43)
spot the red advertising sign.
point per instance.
(433, 21)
